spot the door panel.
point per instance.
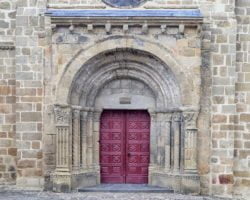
(124, 146)
(137, 145)
(112, 147)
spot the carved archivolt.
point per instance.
(128, 64)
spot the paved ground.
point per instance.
(13, 193)
(22, 195)
(90, 196)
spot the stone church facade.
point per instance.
(183, 63)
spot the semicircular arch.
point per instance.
(83, 59)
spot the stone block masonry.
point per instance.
(29, 93)
(211, 67)
(8, 149)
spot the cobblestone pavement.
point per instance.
(24, 195)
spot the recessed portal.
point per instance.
(124, 146)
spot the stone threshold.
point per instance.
(126, 188)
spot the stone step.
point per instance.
(126, 188)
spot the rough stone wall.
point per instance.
(7, 93)
(29, 92)
(222, 25)
(242, 119)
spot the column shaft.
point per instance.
(84, 138)
(76, 139)
(167, 132)
(176, 144)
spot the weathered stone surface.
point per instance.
(226, 179)
(26, 164)
(46, 67)
(4, 5)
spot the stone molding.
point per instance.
(66, 17)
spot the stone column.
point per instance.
(96, 143)
(167, 133)
(176, 130)
(153, 147)
(89, 151)
(190, 141)
(61, 177)
(84, 114)
(76, 151)
(161, 138)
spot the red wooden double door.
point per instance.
(124, 146)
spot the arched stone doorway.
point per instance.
(130, 79)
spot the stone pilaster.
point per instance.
(62, 177)
(190, 141)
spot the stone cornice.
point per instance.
(129, 17)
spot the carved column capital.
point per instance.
(76, 113)
(176, 116)
(97, 116)
(62, 114)
(168, 117)
(190, 119)
(153, 116)
(83, 114)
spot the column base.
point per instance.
(180, 183)
(85, 179)
(61, 182)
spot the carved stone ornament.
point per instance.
(190, 119)
(76, 114)
(124, 3)
(62, 115)
(176, 117)
(168, 117)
